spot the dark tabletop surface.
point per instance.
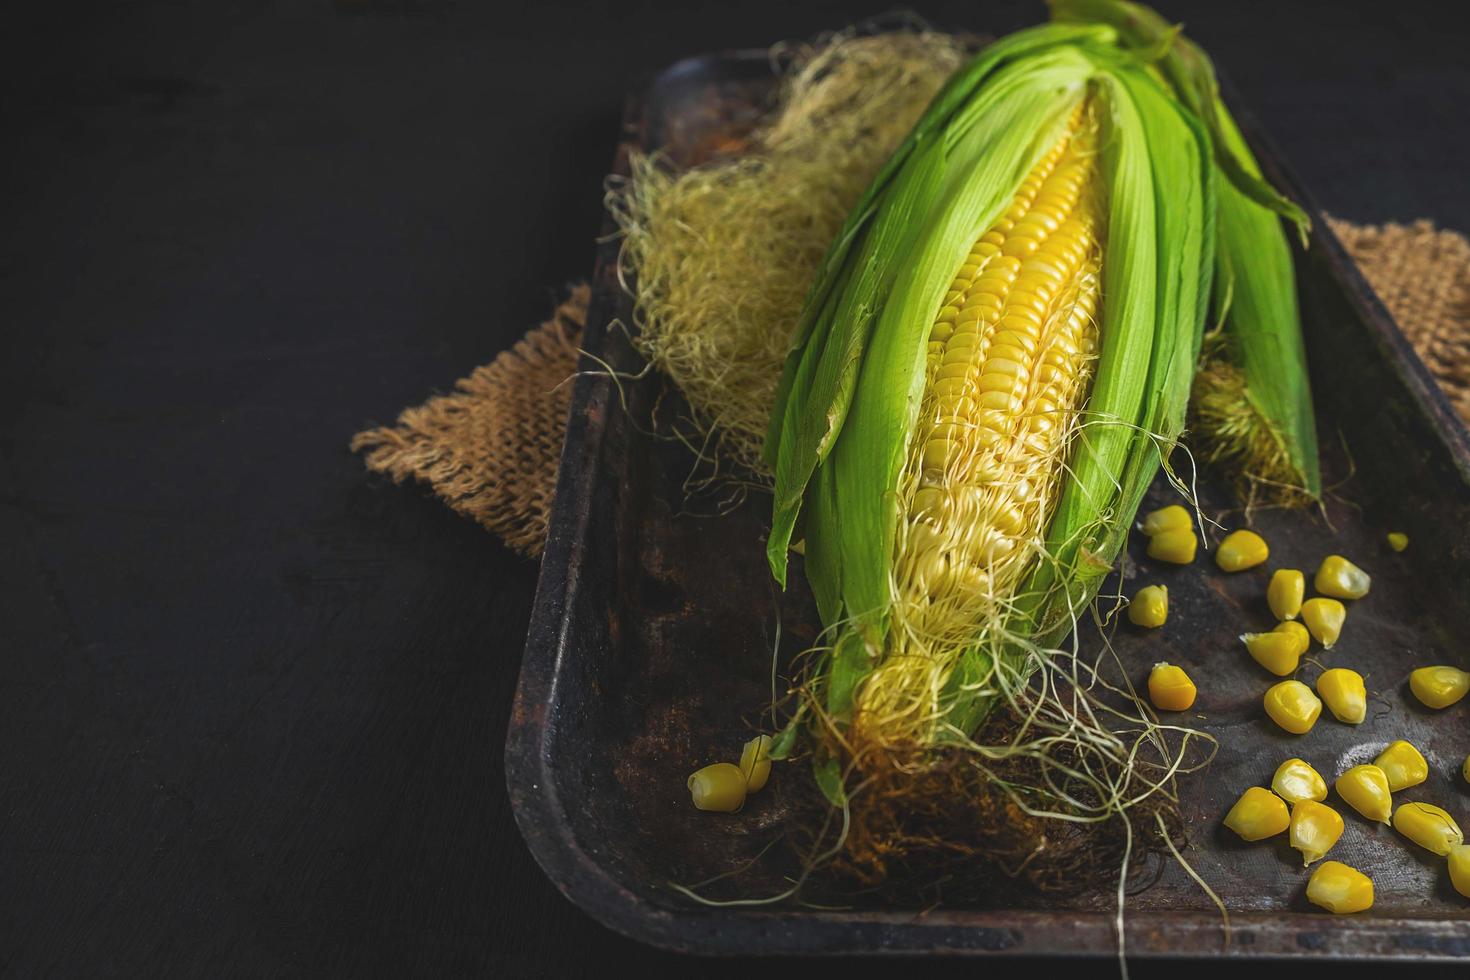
(252, 702)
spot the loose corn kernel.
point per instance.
(1324, 619)
(1170, 688)
(1439, 687)
(1293, 706)
(1460, 868)
(1258, 814)
(1341, 579)
(1428, 826)
(1292, 627)
(1340, 889)
(1398, 540)
(1241, 550)
(720, 787)
(1465, 769)
(1150, 607)
(755, 763)
(1315, 827)
(1170, 518)
(1345, 695)
(1284, 594)
(1296, 780)
(1277, 652)
(1365, 789)
(1403, 764)
(1176, 547)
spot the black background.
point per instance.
(252, 702)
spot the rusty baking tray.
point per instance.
(649, 653)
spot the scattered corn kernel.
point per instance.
(1439, 687)
(1345, 695)
(1460, 868)
(1324, 619)
(1365, 789)
(1315, 827)
(1258, 814)
(1398, 540)
(1465, 769)
(1170, 688)
(1296, 780)
(1292, 627)
(1284, 594)
(1241, 550)
(1341, 579)
(755, 762)
(1403, 764)
(1170, 518)
(1340, 889)
(1150, 607)
(1177, 547)
(719, 787)
(1428, 826)
(1277, 652)
(1293, 706)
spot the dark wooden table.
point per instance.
(252, 702)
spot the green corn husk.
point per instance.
(847, 404)
(1252, 400)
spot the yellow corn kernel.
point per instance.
(1150, 607)
(1241, 550)
(1403, 764)
(1177, 547)
(1340, 889)
(1293, 706)
(1296, 780)
(1170, 518)
(1341, 579)
(1284, 594)
(1258, 814)
(1277, 652)
(720, 787)
(1460, 868)
(1345, 695)
(755, 763)
(1439, 687)
(1398, 540)
(1324, 619)
(1365, 789)
(1428, 826)
(1465, 769)
(1293, 628)
(1170, 688)
(1315, 827)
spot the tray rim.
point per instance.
(539, 812)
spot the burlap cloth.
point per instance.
(490, 449)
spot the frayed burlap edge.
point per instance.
(491, 449)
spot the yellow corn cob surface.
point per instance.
(1009, 359)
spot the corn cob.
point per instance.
(993, 360)
(1008, 357)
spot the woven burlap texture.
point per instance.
(490, 449)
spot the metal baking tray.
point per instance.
(649, 654)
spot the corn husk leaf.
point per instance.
(1158, 267)
(1259, 422)
(1191, 74)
